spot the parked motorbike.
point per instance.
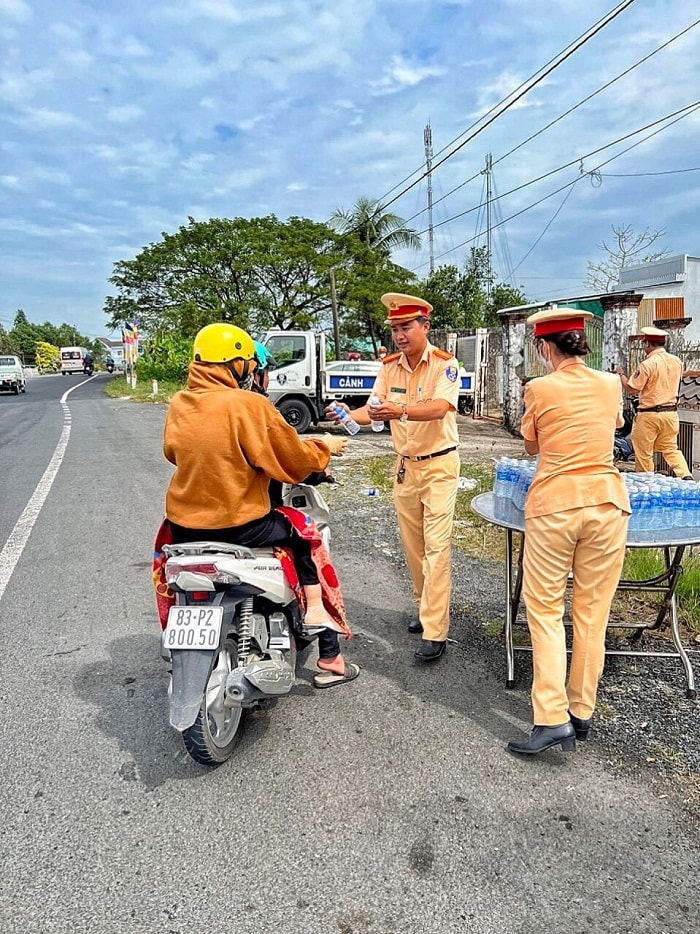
(623, 449)
(233, 635)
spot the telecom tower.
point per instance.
(428, 140)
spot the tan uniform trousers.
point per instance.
(591, 541)
(425, 505)
(657, 431)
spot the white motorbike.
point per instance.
(233, 634)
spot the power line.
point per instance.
(684, 112)
(566, 113)
(645, 174)
(497, 110)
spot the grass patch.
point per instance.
(475, 536)
(646, 563)
(118, 388)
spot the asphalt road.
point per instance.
(383, 807)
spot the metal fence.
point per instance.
(480, 352)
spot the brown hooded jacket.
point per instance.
(226, 444)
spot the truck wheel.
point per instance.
(295, 413)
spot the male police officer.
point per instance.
(655, 427)
(419, 389)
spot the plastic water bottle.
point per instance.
(373, 402)
(644, 523)
(635, 498)
(499, 486)
(345, 419)
(511, 478)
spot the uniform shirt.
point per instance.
(657, 378)
(572, 414)
(226, 444)
(436, 376)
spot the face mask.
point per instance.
(547, 364)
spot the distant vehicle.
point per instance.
(109, 365)
(12, 377)
(72, 359)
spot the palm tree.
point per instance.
(380, 230)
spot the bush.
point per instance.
(165, 357)
(47, 357)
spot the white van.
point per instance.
(72, 359)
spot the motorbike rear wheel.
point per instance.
(217, 730)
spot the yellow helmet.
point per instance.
(220, 343)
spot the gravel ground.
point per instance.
(644, 722)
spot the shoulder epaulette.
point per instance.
(392, 358)
(442, 354)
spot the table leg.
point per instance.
(508, 629)
(675, 568)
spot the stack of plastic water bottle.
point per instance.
(513, 479)
(661, 504)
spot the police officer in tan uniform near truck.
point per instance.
(419, 390)
(576, 515)
(655, 426)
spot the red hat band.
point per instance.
(404, 312)
(544, 328)
(654, 339)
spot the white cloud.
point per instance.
(40, 118)
(124, 114)
(15, 9)
(404, 73)
(10, 181)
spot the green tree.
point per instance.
(464, 299)
(377, 228)
(24, 336)
(360, 285)
(7, 345)
(256, 273)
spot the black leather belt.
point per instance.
(660, 408)
(427, 457)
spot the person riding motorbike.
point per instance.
(226, 445)
(88, 364)
(109, 364)
(266, 362)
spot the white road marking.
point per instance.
(14, 546)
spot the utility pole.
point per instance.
(334, 309)
(428, 140)
(487, 172)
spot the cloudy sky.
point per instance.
(120, 119)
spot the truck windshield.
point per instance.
(286, 348)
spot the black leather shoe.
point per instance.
(430, 650)
(581, 727)
(544, 737)
(415, 625)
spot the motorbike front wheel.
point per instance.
(217, 730)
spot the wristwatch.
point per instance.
(404, 414)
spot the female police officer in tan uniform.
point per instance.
(576, 516)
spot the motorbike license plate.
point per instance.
(193, 627)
